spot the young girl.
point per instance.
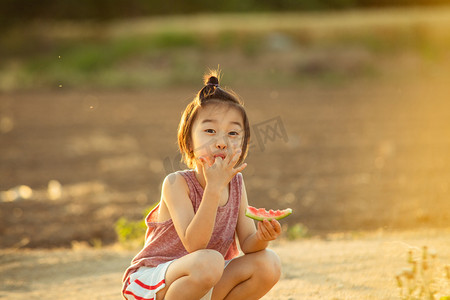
(190, 250)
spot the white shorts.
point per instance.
(146, 282)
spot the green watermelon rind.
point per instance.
(286, 211)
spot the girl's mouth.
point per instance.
(219, 155)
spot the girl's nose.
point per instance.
(221, 144)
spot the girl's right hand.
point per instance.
(220, 172)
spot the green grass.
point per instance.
(131, 234)
(161, 52)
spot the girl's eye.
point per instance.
(233, 133)
(210, 131)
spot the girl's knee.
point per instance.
(209, 259)
(208, 268)
(268, 266)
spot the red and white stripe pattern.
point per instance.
(147, 292)
(145, 283)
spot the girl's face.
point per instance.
(218, 130)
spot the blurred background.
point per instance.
(348, 100)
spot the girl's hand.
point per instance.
(219, 172)
(268, 230)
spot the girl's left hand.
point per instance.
(268, 230)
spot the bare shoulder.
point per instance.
(174, 183)
(240, 178)
(240, 175)
(174, 195)
(244, 200)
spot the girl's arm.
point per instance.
(194, 230)
(252, 238)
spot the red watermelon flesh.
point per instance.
(261, 214)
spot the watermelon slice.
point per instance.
(261, 214)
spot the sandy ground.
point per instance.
(341, 266)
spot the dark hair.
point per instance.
(209, 94)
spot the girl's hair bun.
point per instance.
(213, 80)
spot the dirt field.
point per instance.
(371, 155)
(352, 133)
(340, 267)
(357, 157)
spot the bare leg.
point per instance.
(192, 276)
(249, 277)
